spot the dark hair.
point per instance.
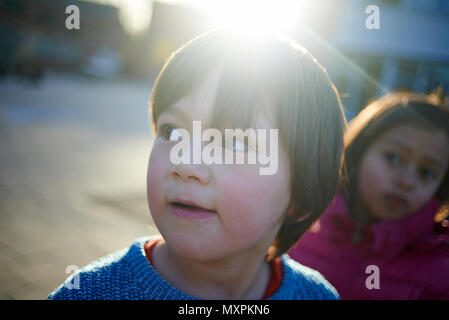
(303, 101)
(426, 111)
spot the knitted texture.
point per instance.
(127, 275)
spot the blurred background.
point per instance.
(74, 127)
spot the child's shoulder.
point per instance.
(110, 277)
(303, 283)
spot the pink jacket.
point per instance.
(412, 261)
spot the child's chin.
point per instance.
(198, 250)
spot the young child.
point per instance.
(376, 239)
(225, 228)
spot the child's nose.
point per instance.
(192, 172)
(406, 178)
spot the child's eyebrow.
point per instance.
(175, 111)
(397, 143)
(429, 159)
(435, 162)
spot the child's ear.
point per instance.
(291, 212)
(303, 217)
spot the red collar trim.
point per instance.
(276, 272)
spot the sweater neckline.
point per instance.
(275, 268)
(155, 286)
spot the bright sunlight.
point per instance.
(251, 15)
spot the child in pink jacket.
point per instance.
(377, 239)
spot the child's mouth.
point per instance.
(396, 202)
(190, 211)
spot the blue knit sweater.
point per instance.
(127, 275)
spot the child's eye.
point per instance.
(427, 174)
(170, 133)
(239, 145)
(393, 158)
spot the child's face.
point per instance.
(247, 209)
(401, 171)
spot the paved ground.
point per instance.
(73, 157)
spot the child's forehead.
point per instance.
(221, 105)
(201, 99)
(187, 110)
(429, 143)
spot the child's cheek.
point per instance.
(246, 203)
(157, 170)
(374, 182)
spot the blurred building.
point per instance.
(171, 26)
(410, 51)
(34, 37)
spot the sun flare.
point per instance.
(251, 15)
